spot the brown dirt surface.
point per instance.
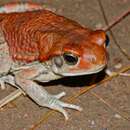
(106, 106)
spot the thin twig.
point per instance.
(10, 97)
(125, 74)
(117, 20)
(109, 26)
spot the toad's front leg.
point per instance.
(24, 79)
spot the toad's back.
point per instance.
(31, 35)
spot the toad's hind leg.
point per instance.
(39, 94)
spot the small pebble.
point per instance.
(92, 122)
(117, 116)
(25, 116)
(109, 72)
(118, 66)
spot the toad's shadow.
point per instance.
(77, 81)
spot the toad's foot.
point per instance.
(43, 98)
(2, 84)
(53, 102)
(25, 79)
(6, 79)
(10, 80)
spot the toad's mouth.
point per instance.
(94, 70)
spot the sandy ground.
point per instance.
(106, 106)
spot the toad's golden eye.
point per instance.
(70, 58)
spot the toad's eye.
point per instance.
(107, 40)
(70, 58)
